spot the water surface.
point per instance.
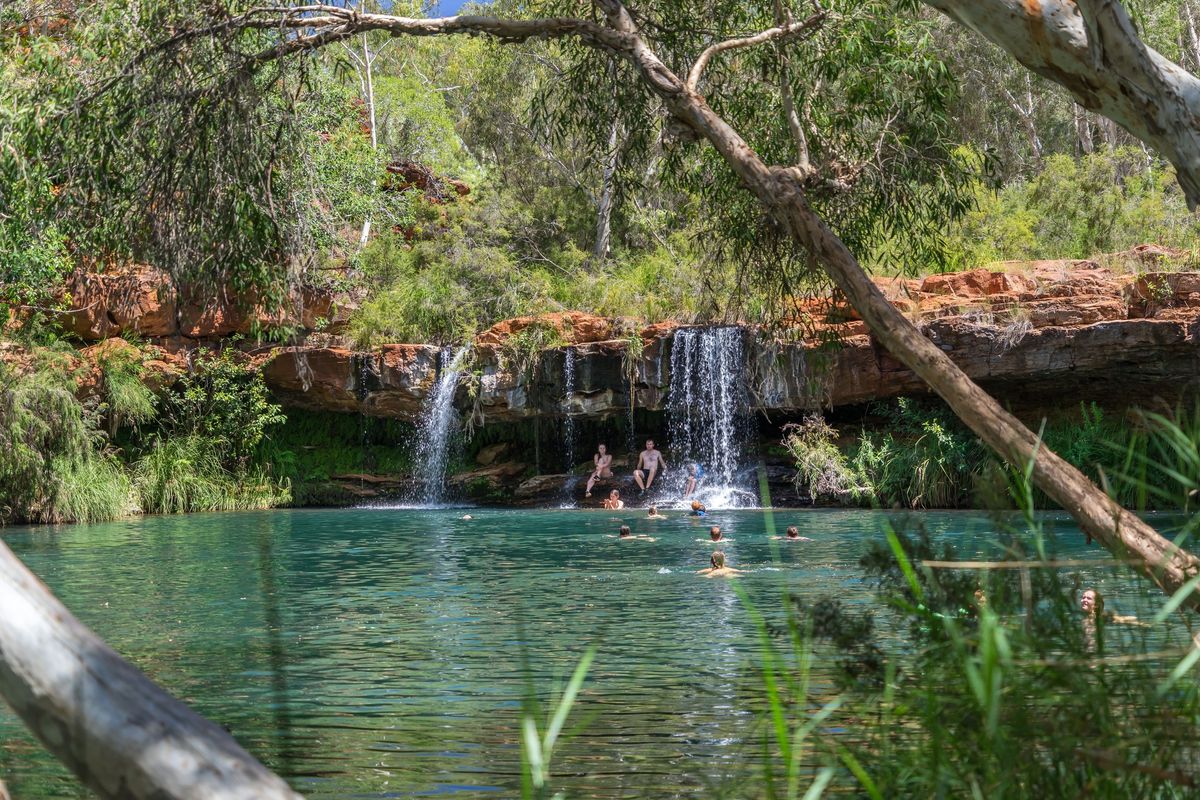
(386, 653)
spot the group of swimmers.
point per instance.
(717, 567)
(650, 464)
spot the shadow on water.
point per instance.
(277, 659)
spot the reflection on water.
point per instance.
(378, 653)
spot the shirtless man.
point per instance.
(614, 502)
(718, 568)
(603, 461)
(649, 464)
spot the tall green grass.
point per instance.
(92, 489)
(185, 475)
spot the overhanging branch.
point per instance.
(787, 30)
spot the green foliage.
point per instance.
(127, 399)
(91, 489)
(1105, 201)
(44, 435)
(958, 706)
(187, 474)
(820, 465)
(224, 403)
(927, 459)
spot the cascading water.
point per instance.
(436, 429)
(709, 409)
(568, 395)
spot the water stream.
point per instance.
(436, 429)
(708, 408)
(569, 432)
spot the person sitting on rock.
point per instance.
(718, 568)
(614, 502)
(653, 513)
(650, 463)
(603, 462)
(695, 475)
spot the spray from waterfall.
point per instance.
(569, 432)
(436, 428)
(708, 406)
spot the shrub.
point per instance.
(223, 403)
(44, 432)
(820, 465)
(91, 489)
(186, 474)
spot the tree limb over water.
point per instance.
(782, 192)
(108, 723)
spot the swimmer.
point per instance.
(650, 463)
(695, 475)
(467, 516)
(718, 568)
(626, 533)
(614, 502)
(793, 535)
(602, 461)
(653, 513)
(698, 509)
(715, 535)
(1091, 603)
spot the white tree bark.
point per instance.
(120, 733)
(1090, 48)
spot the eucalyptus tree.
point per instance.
(841, 147)
(877, 161)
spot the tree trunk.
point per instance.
(369, 83)
(1091, 48)
(120, 734)
(608, 189)
(781, 191)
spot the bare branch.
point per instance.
(787, 30)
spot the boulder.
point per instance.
(133, 300)
(574, 327)
(977, 283)
(487, 455)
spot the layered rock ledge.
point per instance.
(1066, 330)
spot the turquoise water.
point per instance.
(386, 653)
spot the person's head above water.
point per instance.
(793, 532)
(715, 533)
(625, 532)
(697, 505)
(1091, 602)
(652, 511)
(717, 560)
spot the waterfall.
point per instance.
(568, 396)
(436, 428)
(708, 405)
